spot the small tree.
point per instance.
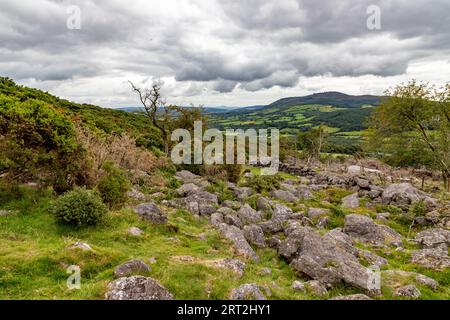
(312, 142)
(413, 124)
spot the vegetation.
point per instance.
(114, 185)
(412, 127)
(79, 207)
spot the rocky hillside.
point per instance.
(308, 235)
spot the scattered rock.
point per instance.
(405, 194)
(303, 192)
(265, 272)
(255, 235)
(436, 258)
(351, 202)
(409, 291)
(248, 215)
(352, 297)
(216, 219)
(298, 286)
(151, 212)
(81, 246)
(134, 231)
(284, 196)
(236, 236)
(314, 213)
(235, 265)
(136, 194)
(6, 212)
(434, 238)
(130, 268)
(263, 204)
(364, 229)
(247, 292)
(316, 288)
(235, 205)
(242, 193)
(137, 288)
(187, 189)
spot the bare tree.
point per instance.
(152, 101)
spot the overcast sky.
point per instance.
(214, 52)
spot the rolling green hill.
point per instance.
(344, 115)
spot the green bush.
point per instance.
(79, 207)
(264, 183)
(113, 186)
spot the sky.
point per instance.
(222, 52)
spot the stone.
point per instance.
(235, 205)
(434, 238)
(383, 216)
(216, 219)
(263, 204)
(362, 183)
(233, 220)
(329, 259)
(351, 201)
(314, 213)
(303, 192)
(187, 189)
(409, 291)
(136, 194)
(136, 232)
(236, 236)
(283, 196)
(137, 288)
(81, 246)
(150, 212)
(393, 277)
(265, 272)
(255, 235)
(427, 281)
(186, 175)
(131, 267)
(364, 229)
(316, 288)
(248, 291)
(358, 296)
(405, 194)
(243, 192)
(436, 258)
(235, 265)
(372, 258)
(4, 213)
(248, 215)
(205, 209)
(298, 286)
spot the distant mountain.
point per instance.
(207, 110)
(332, 98)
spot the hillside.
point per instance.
(344, 115)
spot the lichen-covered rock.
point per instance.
(137, 288)
(187, 189)
(299, 286)
(405, 194)
(315, 213)
(263, 204)
(357, 296)
(216, 219)
(248, 291)
(248, 215)
(284, 195)
(351, 201)
(316, 288)
(330, 259)
(409, 291)
(131, 267)
(255, 235)
(436, 258)
(151, 212)
(236, 236)
(434, 238)
(134, 231)
(364, 229)
(235, 265)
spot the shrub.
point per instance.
(263, 183)
(113, 186)
(79, 207)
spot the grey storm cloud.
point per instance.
(220, 44)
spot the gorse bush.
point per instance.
(79, 207)
(113, 186)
